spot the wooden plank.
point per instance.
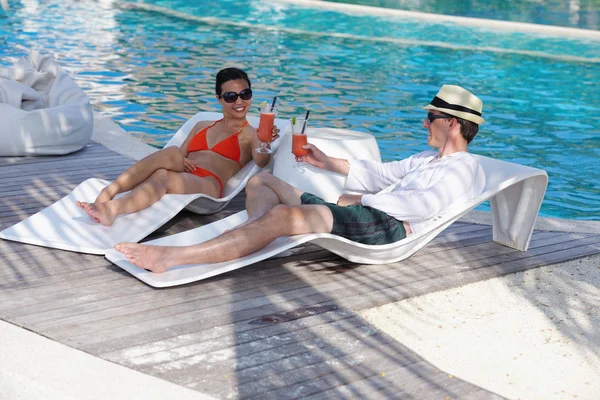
(153, 353)
(17, 292)
(115, 299)
(307, 364)
(467, 276)
(352, 356)
(74, 178)
(65, 177)
(384, 275)
(419, 381)
(213, 359)
(91, 149)
(153, 318)
(230, 334)
(180, 314)
(408, 382)
(26, 171)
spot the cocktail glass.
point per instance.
(265, 128)
(299, 139)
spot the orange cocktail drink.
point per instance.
(265, 128)
(299, 138)
(297, 142)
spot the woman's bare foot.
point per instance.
(154, 258)
(107, 194)
(100, 212)
(85, 207)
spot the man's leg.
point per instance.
(265, 191)
(282, 220)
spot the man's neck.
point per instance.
(449, 148)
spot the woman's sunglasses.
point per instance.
(231, 97)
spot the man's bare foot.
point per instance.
(100, 212)
(153, 258)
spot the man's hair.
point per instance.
(468, 129)
(230, 74)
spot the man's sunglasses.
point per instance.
(432, 117)
(231, 97)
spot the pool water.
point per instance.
(151, 69)
(569, 13)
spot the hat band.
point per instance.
(437, 102)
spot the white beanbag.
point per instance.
(43, 111)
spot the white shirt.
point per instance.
(418, 189)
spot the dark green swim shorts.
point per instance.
(361, 224)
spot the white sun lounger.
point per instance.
(64, 226)
(515, 193)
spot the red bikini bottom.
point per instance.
(202, 173)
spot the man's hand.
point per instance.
(321, 160)
(316, 157)
(189, 165)
(350, 200)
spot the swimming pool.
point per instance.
(577, 14)
(151, 70)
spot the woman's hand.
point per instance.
(189, 165)
(275, 133)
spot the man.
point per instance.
(401, 197)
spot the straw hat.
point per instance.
(459, 102)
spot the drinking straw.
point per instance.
(305, 120)
(274, 100)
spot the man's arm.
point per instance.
(321, 160)
(339, 165)
(416, 202)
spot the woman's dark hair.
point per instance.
(230, 74)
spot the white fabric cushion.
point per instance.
(43, 110)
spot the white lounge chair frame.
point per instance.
(64, 226)
(515, 193)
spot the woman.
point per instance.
(212, 153)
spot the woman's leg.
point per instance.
(170, 159)
(149, 192)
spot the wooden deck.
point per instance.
(284, 328)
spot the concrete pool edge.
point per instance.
(560, 31)
(31, 364)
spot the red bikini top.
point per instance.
(228, 147)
